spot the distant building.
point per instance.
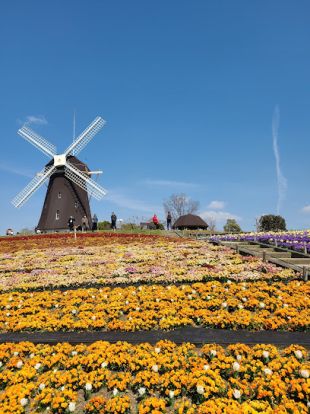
(191, 222)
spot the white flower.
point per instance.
(157, 350)
(155, 368)
(285, 305)
(224, 305)
(137, 309)
(104, 364)
(266, 354)
(206, 367)
(190, 297)
(208, 297)
(141, 391)
(37, 366)
(267, 371)
(23, 402)
(73, 353)
(298, 354)
(16, 353)
(304, 373)
(200, 389)
(71, 407)
(236, 366)
(74, 311)
(127, 302)
(261, 305)
(239, 357)
(171, 394)
(244, 299)
(115, 391)
(42, 386)
(240, 306)
(213, 352)
(31, 356)
(62, 388)
(157, 300)
(93, 317)
(88, 386)
(8, 314)
(19, 364)
(1, 364)
(93, 296)
(237, 393)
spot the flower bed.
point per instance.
(123, 259)
(295, 240)
(253, 306)
(122, 378)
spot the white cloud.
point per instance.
(14, 170)
(282, 181)
(306, 209)
(122, 200)
(34, 120)
(169, 183)
(218, 216)
(216, 205)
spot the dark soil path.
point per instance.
(187, 334)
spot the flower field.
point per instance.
(123, 259)
(295, 240)
(115, 282)
(122, 378)
(229, 305)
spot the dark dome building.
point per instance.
(191, 222)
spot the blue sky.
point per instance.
(188, 90)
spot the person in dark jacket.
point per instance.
(94, 223)
(71, 222)
(169, 219)
(113, 221)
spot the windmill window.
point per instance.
(57, 214)
(59, 194)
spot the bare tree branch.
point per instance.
(179, 205)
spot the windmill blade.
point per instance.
(82, 180)
(33, 186)
(85, 137)
(38, 141)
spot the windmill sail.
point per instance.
(33, 186)
(84, 181)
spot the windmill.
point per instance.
(70, 184)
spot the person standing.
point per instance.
(85, 223)
(169, 219)
(94, 223)
(71, 222)
(113, 221)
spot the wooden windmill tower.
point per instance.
(70, 184)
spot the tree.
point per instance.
(270, 222)
(180, 204)
(232, 226)
(211, 223)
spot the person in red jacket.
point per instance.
(155, 221)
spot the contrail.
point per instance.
(282, 182)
